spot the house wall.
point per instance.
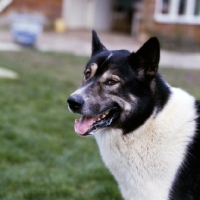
(50, 9)
(184, 36)
(87, 14)
(103, 15)
(78, 13)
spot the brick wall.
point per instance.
(51, 9)
(174, 36)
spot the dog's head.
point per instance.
(118, 88)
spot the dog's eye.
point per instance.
(112, 82)
(87, 74)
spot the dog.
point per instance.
(148, 132)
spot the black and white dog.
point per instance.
(148, 132)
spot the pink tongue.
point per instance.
(83, 124)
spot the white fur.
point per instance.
(81, 91)
(145, 162)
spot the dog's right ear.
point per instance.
(97, 46)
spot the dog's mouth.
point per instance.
(89, 125)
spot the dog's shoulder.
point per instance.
(197, 103)
(187, 182)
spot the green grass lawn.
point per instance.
(41, 158)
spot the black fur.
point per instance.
(96, 44)
(187, 183)
(140, 71)
(131, 85)
(147, 104)
(146, 59)
(139, 80)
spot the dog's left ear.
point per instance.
(146, 59)
(96, 43)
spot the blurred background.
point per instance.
(175, 22)
(44, 46)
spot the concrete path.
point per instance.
(6, 43)
(79, 43)
(9, 47)
(180, 60)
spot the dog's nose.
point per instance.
(75, 103)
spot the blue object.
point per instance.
(26, 28)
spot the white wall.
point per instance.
(78, 13)
(103, 15)
(87, 14)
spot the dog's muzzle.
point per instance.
(75, 103)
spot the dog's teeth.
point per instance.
(107, 112)
(103, 116)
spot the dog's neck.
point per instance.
(151, 106)
(143, 161)
(161, 96)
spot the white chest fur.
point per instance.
(145, 162)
